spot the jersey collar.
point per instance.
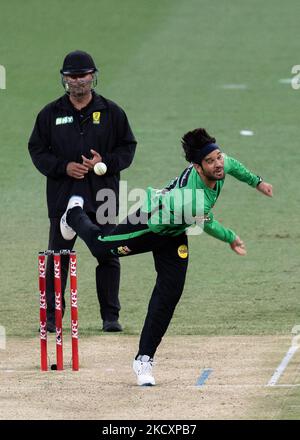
(97, 103)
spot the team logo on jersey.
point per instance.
(200, 219)
(183, 251)
(64, 120)
(96, 117)
(123, 250)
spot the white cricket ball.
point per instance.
(100, 168)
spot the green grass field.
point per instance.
(166, 63)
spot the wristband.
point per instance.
(260, 180)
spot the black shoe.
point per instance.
(112, 326)
(51, 328)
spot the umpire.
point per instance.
(70, 135)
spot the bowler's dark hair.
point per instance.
(195, 140)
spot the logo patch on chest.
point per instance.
(96, 117)
(64, 120)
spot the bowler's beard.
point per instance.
(212, 177)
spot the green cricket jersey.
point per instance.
(187, 201)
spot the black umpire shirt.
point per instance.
(62, 134)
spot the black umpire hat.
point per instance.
(78, 62)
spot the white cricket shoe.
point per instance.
(66, 231)
(143, 370)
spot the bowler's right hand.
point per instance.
(76, 170)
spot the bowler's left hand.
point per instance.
(238, 246)
(265, 188)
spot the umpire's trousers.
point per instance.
(170, 259)
(107, 275)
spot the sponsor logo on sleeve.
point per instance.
(183, 251)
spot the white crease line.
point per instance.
(234, 86)
(280, 369)
(239, 386)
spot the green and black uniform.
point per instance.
(163, 220)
